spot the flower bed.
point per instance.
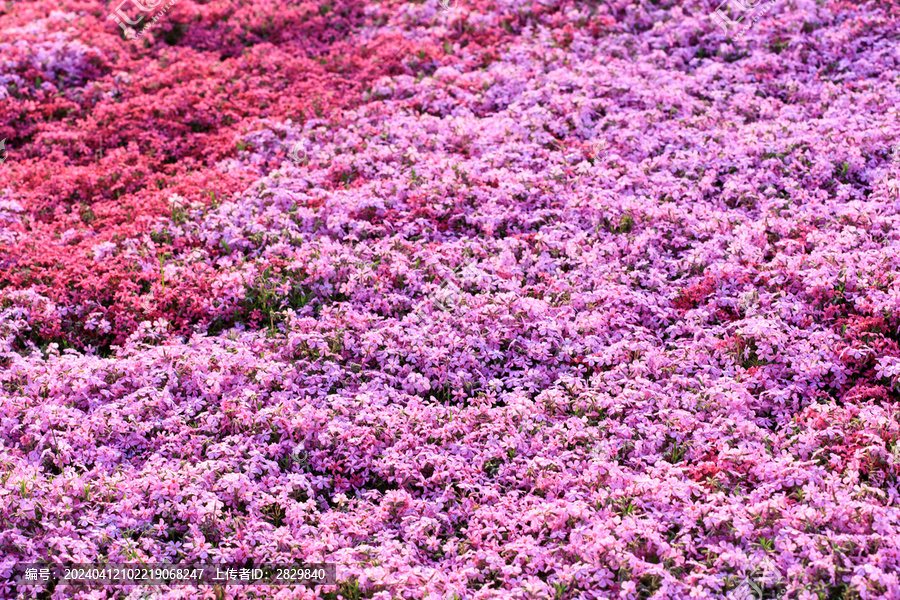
(672, 355)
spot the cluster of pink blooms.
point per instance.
(675, 352)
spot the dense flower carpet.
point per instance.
(513, 299)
